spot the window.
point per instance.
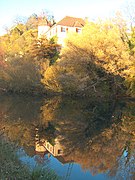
(78, 30)
(63, 29)
(59, 151)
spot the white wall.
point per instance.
(56, 30)
(42, 30)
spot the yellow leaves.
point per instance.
(105, 43)
(96, 148)
(100, 53)
(50, 79)
(18, 40)
(99, 46)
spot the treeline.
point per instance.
(99, 62)
(23, 56)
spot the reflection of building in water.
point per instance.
(44, 146)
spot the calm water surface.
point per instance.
(80, 139)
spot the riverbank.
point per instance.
(12, 168)
(54, 94)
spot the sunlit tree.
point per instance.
(85, 67)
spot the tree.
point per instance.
(97, 66)
(42, 50)
(32, 22)
(2, 53)
(19, 38)
(43, 18)
(129, 13)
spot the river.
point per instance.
(80, 139)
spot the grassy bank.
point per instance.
(11, 167)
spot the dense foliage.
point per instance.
(102, 66)
(23, 57)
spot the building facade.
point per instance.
(62, 28)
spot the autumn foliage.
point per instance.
(95, 62)
(98, 62)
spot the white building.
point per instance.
(61, 29)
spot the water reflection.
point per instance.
(100, 136)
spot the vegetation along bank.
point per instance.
(98, 62)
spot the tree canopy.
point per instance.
(99, 61)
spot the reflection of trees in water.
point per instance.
(125, 168)
(93, 134)
(19, 116)
(126, 129)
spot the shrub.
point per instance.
(21, 75)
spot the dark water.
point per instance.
(80, 139)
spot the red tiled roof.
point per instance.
(71, 22)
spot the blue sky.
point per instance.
(10, 9)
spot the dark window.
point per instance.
(78, 30)
(63, 29)
(59, 151)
